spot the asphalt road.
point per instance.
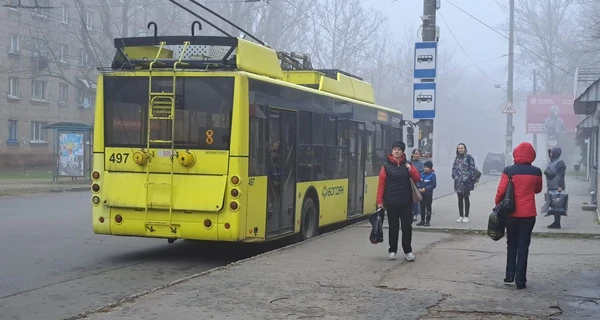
(52, 265)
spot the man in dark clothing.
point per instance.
(395, 192)
(555, 181)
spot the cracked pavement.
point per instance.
(343, 276)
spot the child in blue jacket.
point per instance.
(426, 186)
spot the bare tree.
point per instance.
(342, 33)
(546, 35)
(589, 30)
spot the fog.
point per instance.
(370, 38)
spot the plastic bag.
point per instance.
(558, 202)
(496, 225)
(376, 220)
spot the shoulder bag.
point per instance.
(507, 205)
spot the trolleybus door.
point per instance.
(282, 172)
(356, 178)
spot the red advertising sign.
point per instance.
(551, 113)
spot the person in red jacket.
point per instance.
(395, 193)
(527, 181)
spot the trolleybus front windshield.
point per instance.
(203, 104)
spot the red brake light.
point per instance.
(235, 180)
(95, 175)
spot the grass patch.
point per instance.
(33, 175)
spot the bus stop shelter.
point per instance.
(588, 104)
(72, 150)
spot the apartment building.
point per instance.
(48, 74)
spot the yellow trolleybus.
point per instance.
(209, 138)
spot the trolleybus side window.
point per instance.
(318, 122)
(331, 148)
(305, 153)
(381, 149)
(259, 100)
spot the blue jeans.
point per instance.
(518, 238)
(416, 209)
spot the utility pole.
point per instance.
(535, 93)
(509, 90)
(429, 33)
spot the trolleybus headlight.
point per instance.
(234, 205)
(235, 180)
(95, 187)
(235, 193)
(207, 223)
(118, 218)
(101, 219)
(95, 200)
(95, 175)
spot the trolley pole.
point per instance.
(511, 53)
(429, 33)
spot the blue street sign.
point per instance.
(425, 60)
(424, 100)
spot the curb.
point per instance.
(133, 297)
(569, 235)
(553, 235)
(31, 191)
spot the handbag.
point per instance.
(417, 197)
(507, 205)
(496, 225)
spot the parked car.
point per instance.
(494, 162)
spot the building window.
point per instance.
(15, 47)
(65, 13)
(14, 4)
(37, 133)
(40, 47)
(38, 89)
(83, 58)
(85, 98)
(13, 87)
(64, 51)
(64, 93)
(12, 132)
(89, 20)
(42, 9)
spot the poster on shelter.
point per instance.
(551, 113)
(70, 155)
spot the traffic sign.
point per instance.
(425, 60)
(424, 100)
(509, 108)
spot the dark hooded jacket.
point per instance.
(527, 181)
(555, 171)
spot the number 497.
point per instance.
(119, 157)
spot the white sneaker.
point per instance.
(410, 256)
(459, 220)
(466, 220)
(392, 256)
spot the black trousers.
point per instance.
(518, 238)
(426, 207)
(464, 204)
(400, 216)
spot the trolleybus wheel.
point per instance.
(309, 227)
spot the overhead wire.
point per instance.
(512, 40)
(463, 49)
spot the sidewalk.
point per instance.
(578, 221)
(15, 187)
(342, 275)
